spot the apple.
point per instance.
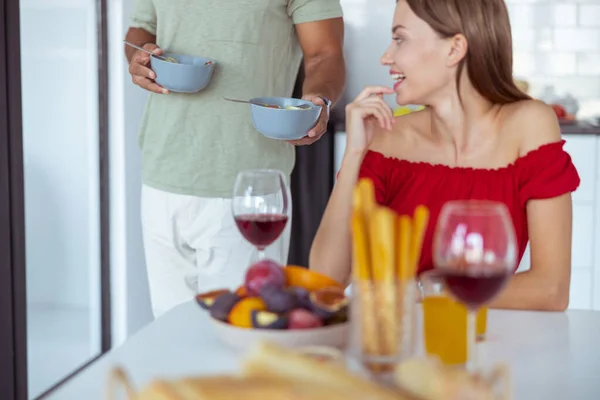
(264, 273)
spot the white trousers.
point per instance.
(192, 245)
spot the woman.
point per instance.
(479, 137)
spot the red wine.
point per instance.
(474, 290)
(261, 229)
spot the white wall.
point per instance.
(556, 42)
(131, 303)
(60, 139)
(368, 25)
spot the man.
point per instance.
(193, 145)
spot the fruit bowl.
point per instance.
(243, 338)
(564, 118)
(291, 306)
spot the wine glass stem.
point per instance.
(261, 253)
(471, 343)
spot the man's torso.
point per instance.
(195, 143)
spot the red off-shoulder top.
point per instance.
(402, 185)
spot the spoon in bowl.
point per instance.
(300, 107)
(167, 59)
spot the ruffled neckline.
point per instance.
(520, 161)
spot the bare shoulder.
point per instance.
(404, 133)
(533, 122)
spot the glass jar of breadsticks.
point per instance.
(386, 251)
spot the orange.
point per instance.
(241, 291)
(241, 314)
(308, 279)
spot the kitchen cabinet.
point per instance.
(584, 149)
(595, 276)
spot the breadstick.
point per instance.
(361, 269)
(367, 195)
(383, 262)
(420, 221)
(360, 243)
(404, 247)
(362, 281)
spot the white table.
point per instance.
(553, 355)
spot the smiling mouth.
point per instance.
(399, 77)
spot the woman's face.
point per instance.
(417, 57)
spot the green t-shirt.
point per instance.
(195, 144)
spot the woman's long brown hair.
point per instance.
(485, 25)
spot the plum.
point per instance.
(279, 300)
(222, 306)
(268, 320)
(328, 302)
(303, 297)
(264, 273)
(206, 300)
(300, 318)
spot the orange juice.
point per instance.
(445, 328)
(481, 323)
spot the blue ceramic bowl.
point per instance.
(282, 123)
(188, 75)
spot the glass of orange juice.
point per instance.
(445, 321)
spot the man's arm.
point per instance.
(322, 45)
(137, 36)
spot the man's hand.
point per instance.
(140, 71)
(320, 128)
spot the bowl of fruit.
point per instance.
(563, 116)
(283, 118)
(182, 73)
(288, 305)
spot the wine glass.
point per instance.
(260, 206)
(475, 251)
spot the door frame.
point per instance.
(13, 298)
(13, 284)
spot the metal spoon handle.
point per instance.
(144, 50)
(302, 107)
(238, 101)
(250, 102)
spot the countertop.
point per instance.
(576, 128)
(552, 355)
(580, 128)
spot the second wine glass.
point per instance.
(475, 252)
(261, 206)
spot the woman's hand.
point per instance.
(363, 113)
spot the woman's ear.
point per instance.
(458, 49)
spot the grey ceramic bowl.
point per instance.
(189, 75)
(283, 124)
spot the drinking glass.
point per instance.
(383, 324)
(475, 252)
(445, 320)
(261, 206)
